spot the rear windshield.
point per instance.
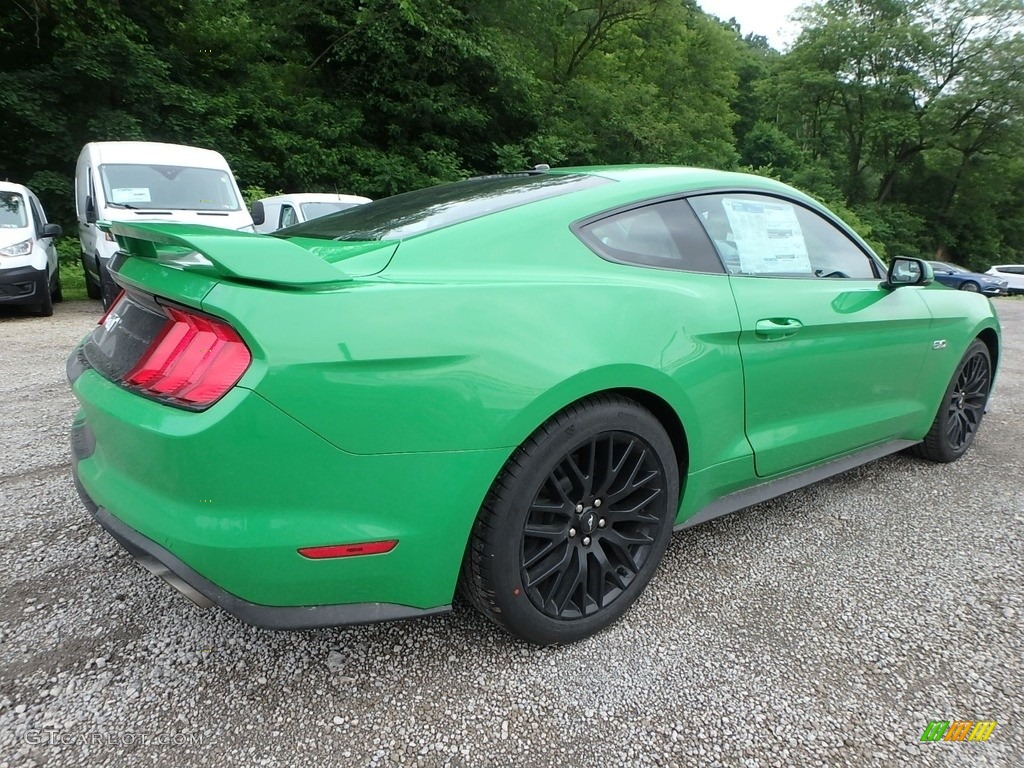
(12, 211)
(424, 210)
(168, 187)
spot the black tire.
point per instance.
(92, 288)
(57, 294)
(969, 287)
(108, 288)
(961, 409)
(45, 308)
(590, 497)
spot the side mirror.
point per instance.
(908, 272)
(51, 230)
(258, 214)
(90, 210)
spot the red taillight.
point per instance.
(348, 550)
(194, 359)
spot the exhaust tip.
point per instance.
(157, 568)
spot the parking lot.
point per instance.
(827, 627)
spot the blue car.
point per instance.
(965, 280)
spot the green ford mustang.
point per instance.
(516, 385)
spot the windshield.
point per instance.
(12, 211)
(316, 210)
(424, 210)
(168, 187)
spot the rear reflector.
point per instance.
(349, 550)
(194, 360)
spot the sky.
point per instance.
(762, 17)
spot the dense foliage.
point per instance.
(904, 115)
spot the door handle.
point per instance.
(777, 327)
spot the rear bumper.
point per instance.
(23, 286)
(221, 501)
(205, 593)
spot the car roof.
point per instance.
(10, 186)
(685, 177)
(316, 197)
(145, 152)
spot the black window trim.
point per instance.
(577, 229)
(579, 226)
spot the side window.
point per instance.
(663, 234)
(763, 235)
(287, 217)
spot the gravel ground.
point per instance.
(823, 628)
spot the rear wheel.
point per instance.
(576, 523)
(969, 287)
(962, 408)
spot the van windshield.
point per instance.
(12, 211)
(168, 187)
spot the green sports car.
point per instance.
(516, 385)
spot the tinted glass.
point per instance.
(764, 235)
(12, 211)
(413, 213)
(168, 187)
(660, 235)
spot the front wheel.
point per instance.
(57, 294)
(92, 288)
(45, 307)
(962, 407)
(574, 526)
(969, 287)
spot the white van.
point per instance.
(273, 213)
(29, 272)
(148, 181)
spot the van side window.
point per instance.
(287, 218)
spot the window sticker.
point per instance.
(130, 195)
(767, 236)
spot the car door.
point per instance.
(830, 358)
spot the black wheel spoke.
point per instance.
(592, 525)
(967, 401)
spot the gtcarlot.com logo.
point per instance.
(54, 737)
(958, 730)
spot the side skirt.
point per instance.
(738, 500)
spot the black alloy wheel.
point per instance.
(592, 526)
(962, 407)
(574, 526)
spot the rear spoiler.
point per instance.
(242, 256)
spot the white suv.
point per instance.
(29, 271)
(1013, 274)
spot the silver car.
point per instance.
(1013, 274)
